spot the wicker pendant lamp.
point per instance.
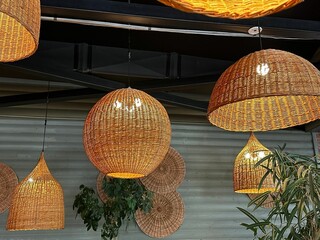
(231, 9)
(37, 202)
(266, 90)
(19, 28)
(127, 134)
(247, 177)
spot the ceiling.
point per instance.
(175, 56)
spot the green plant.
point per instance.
(296, 211)
(125, 197)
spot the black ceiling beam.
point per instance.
(54, 96)
(160, 16)
(44, 70)
(74, 94)
(53, 73)
(181, 101)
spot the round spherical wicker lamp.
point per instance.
(266, 90)
(230, 9)
(19, 28)
(127, 134)
(246, 176)
(37, 202)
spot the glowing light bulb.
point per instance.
(117, 104)
(261, 154)
(30, 180)
(247, 155)
(138, 102)
(263, 69)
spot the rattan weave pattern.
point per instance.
(247, 177)
(168, 175)
(8, 182)
(232, 9)
(37, 202)
(127, 134)
(19, 28)
(266, 90)
(165, 217)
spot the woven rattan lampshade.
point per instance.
(19, 29)
(37, 202)
(127, 134)
(266, 90)
(168, 175)
(231, 9)
(165, 217)
(8, 182)
(247, 177)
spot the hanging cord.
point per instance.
(259, 30)
(45, 119)
(129, 50)
(129, 57)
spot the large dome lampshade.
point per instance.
(266, 90)
(19, 28)
(231, 8)
(37, 202)
(127, 134)
(246, 175)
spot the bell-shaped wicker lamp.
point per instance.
(247, 176)
(231, 9)
(127, 134)
(37, 202)
(19, 28)
(266, 90)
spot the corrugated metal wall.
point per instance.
(210, 203)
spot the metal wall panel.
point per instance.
(209, 152)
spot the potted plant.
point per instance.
(296, 210)
(125, 196)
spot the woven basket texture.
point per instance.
(103, 196)
(247, 177)
(232, 9)
(127, 134)
(20, 28)
(168, 175)
(165, 217)
(37, 202)
(266, 90)
(8, 182)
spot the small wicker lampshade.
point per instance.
(37, 202)
(266, 90)
(127, 134)
(19, 28)
(8, 182)
(247, 177)
(231, 9)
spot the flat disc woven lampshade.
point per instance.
(266, 90)
(37, 202)
(168, 175)
(247, 177)
(231, 8)
(19, 29)
(165, 217)
(8, 182)
(127, 134)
